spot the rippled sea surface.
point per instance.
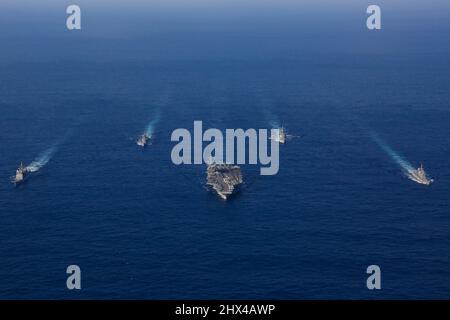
(141, 227)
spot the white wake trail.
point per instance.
(42, 159)
(152, 124)
(403, 163)
(47, 155)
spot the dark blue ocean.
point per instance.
(141, 227)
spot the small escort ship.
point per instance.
(21, 174)
(143, 140)
(281, 136)
(419, 176)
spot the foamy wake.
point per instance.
(42, 160)
(47, 155)
(402, 162)
(152, 124)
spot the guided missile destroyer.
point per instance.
(419, 176)
(280, 137)
(224, 178)
(21, 174)
(143, 140)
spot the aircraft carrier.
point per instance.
(224, 178)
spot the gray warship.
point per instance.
(143, 140)
(280, 137)
(420, 176)
(224, 178)
(21, 174)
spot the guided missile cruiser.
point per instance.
(143, 140)
(21, 174)
(280, 137)
(224, 178)
(419, 175)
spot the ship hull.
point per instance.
(419, 180)
(223, 196)
(226, 196)
(17, 182)
(142, 143)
